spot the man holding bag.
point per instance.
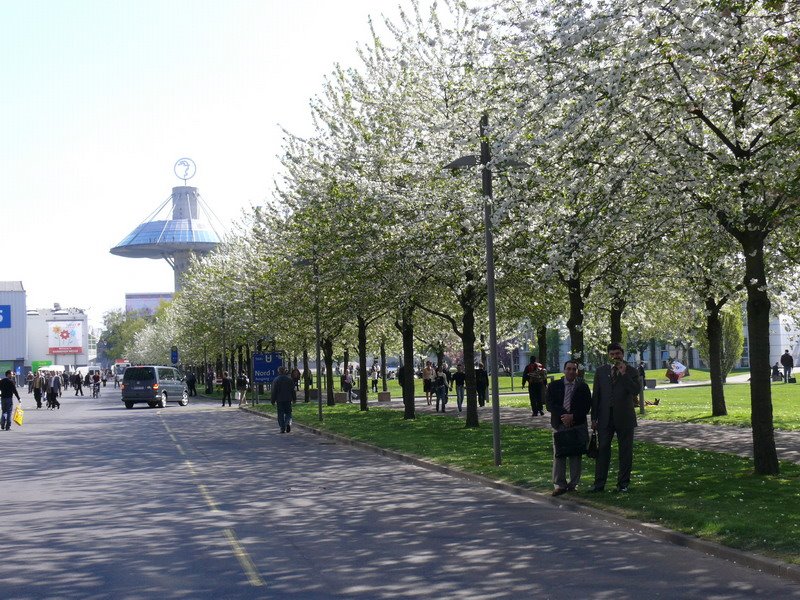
(568, 401)
(8, 389)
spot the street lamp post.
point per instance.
(319, 349)
(486, 187)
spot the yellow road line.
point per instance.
(207, 495)
(244, 559)
(238, 550)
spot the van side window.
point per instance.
(165, 375)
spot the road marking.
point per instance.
(244, 559)
(239, 552)
(208, 498)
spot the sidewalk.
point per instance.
(696, 436)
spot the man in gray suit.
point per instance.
(616, 387)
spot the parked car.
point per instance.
(153, 384)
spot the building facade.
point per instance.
(13, 327)
(57, 336)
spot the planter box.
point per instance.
(384, 396)
(650, 384)
(340, 397)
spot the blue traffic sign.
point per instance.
(266, 365)
(174, 355)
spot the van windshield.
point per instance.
(139, 373)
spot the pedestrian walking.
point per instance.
(375, 374)
(459, 379)
(283, 396)
(227, 388)
(77, 384)
(442, 387)
(568, 401)
(295, 375)
(347, 384)
(242, 384)
(428, 377)
(29, 381)
(210, 382)
(535, 377)
(8, 389)
(53, 391)
(481, 384)
(787, 360)
(191, 383)
(39, 386)
(616, 387)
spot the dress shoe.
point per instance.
(288, 428)
(283, 430)
(572, 488)
(595, 489)
(622, 489)
(559, 491)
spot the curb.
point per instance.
(653, 531)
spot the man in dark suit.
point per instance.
(283, 396)
(616, 387)
(568, 401)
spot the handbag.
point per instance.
(19, 415)
(570, 442)
(591, 451)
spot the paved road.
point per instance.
(203, 502)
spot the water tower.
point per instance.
(175, 238)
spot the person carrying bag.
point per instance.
(8, 389)
(569, 401)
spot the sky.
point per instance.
(100, 98)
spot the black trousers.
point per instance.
(625, 450)
(535, 396)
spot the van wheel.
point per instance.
(128, 404)
(163, 399)
(184, 398)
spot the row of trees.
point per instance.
(661, 186)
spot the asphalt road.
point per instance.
(203, 502)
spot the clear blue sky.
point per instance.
(99, 98)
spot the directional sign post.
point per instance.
(174, 355)
(266, 365)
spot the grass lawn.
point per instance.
(693, 405)
(713, 496)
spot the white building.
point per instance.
(57, 336)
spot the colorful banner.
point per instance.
(65, 337)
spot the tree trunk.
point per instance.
(575, 321)
(483, 352)
(758, 317)
(468, 346)
(306, 394)
(617, 308)
(541, 344)
(714, 334)
(249, 358)
(407, 385)
(327, 353)
(362, 362)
